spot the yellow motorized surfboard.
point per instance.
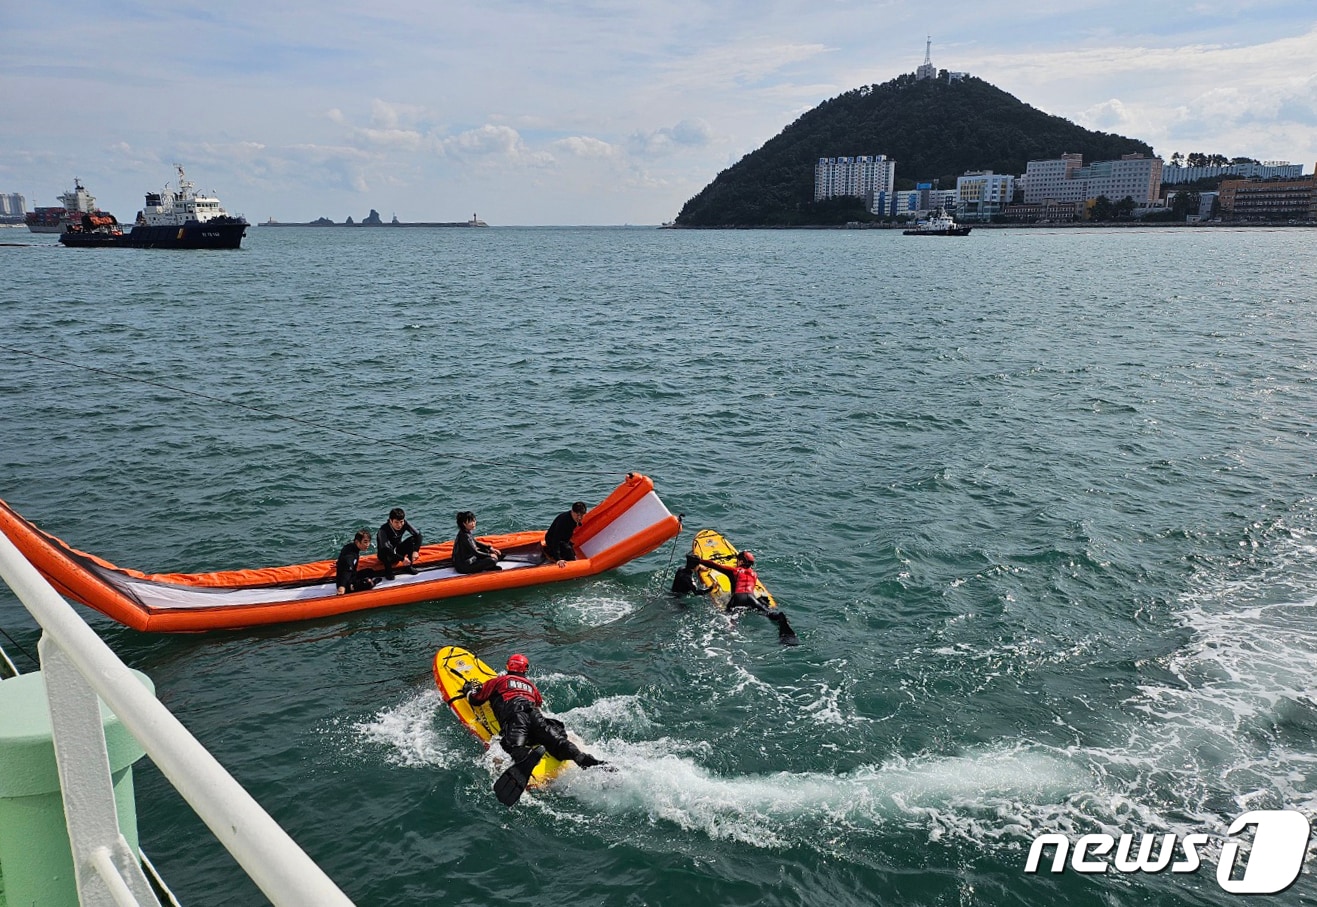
(453, 667)
(713, 546)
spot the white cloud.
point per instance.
(587, 147)
(692, 133)
(500, 142)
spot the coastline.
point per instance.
(410, 224)
(1122, 225)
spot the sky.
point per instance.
(543, 112)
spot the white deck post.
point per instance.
(84, 778)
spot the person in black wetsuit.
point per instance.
(684, 582)
(558, 540)
(470, 555)
(347, 578)
(397, 542)
(516, 702)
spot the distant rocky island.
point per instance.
(374, 220)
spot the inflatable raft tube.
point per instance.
(629, 523)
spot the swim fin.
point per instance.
(785, 635)
(512, 784)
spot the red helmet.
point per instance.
(747, 557)
(518, 664)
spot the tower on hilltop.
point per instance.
(927, 71)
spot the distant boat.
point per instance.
(939, 224)
(75, 203)
(169, 220)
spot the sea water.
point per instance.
(1040, 504)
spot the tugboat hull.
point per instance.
(950, 231)
(193, 235)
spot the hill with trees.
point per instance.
(935, 129)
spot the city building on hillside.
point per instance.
(929, 71)
(1173, 174)
(858, 176)
(1066, 179)
(1133, 176)
(13, 204)
(981, 193)
(1053, 180)
(924, 199)
(1269, 200)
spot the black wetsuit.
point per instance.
(516, 703)
(471, 556)
(346, 573)
(558, 540)
(392, 548)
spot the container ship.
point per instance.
(56, 219)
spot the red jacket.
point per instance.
(744, 579)
(507, 687)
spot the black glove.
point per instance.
(585, 760)
(471, 687)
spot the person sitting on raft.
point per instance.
(558, 540)
(469, 554)
(346, 576)
(391, 546)
(516, 702)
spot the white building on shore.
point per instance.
(924, 199)
(981, 193)
(1066, 179)
(1281, 170)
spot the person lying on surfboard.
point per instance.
(516, 702)
(744, 579)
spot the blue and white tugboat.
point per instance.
(169, 220)
(939, 224)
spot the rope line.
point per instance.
(30, 657)
(307, 422)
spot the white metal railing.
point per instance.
(78, 666)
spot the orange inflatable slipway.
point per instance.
(627, 524)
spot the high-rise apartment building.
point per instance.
(856, 176)
(13, 205)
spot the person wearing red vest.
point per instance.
(516, 702)
(744, 579)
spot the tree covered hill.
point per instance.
(932, 128)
